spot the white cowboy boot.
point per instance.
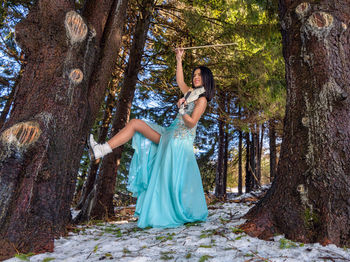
(97, 150)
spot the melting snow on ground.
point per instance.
(218, 239)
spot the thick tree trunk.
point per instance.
(309, 198)
(41, 144)
(111, 42)
(272, 144)
(101, 200)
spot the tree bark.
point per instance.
(111, 42)
(8, 104)
(94, 165)
(103, 131)
(101, 200)
(42, 142)
(240, 139)
(258, 155)
(253, 159)
(248, 173)
(309, 198)
(272, 145)
(240, 154)
(220, 189)
(261, 147)
(227, 139)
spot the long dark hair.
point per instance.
(208, 81)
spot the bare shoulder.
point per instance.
(202, 101)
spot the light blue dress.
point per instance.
(165, 178)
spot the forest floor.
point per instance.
(217, 239)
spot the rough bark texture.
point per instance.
(42, 142)
(101, 200)
(272, 144)
(309, 198)
(111, 42)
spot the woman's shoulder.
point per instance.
(201, 100)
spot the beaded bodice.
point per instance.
(179, 127)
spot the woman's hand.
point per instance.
(179, 71)
(180, 102)
(179, 53)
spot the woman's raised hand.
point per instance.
(179, 53)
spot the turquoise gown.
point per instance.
(165, 177)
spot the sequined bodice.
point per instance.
(179, 127)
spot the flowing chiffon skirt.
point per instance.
(165, 178)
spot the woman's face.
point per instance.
(197, 78)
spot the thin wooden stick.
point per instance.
(205, 46)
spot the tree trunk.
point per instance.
(240, 153)
(258, 156)
(111, 42)
(272, 144)
(248, 173)
(240, 139)
(220, 190)
(101, 201)
(260, 150)
(42, 143)
(94, 165)
(253, 159)
(103, 131)
(309, 198)
(9, 101)
(80, 184)
(225, 159)
(227, 139)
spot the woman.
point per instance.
(164, 175)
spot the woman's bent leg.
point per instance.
(135, 125)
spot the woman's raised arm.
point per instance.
(179, 71)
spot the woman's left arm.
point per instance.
(191, 121)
